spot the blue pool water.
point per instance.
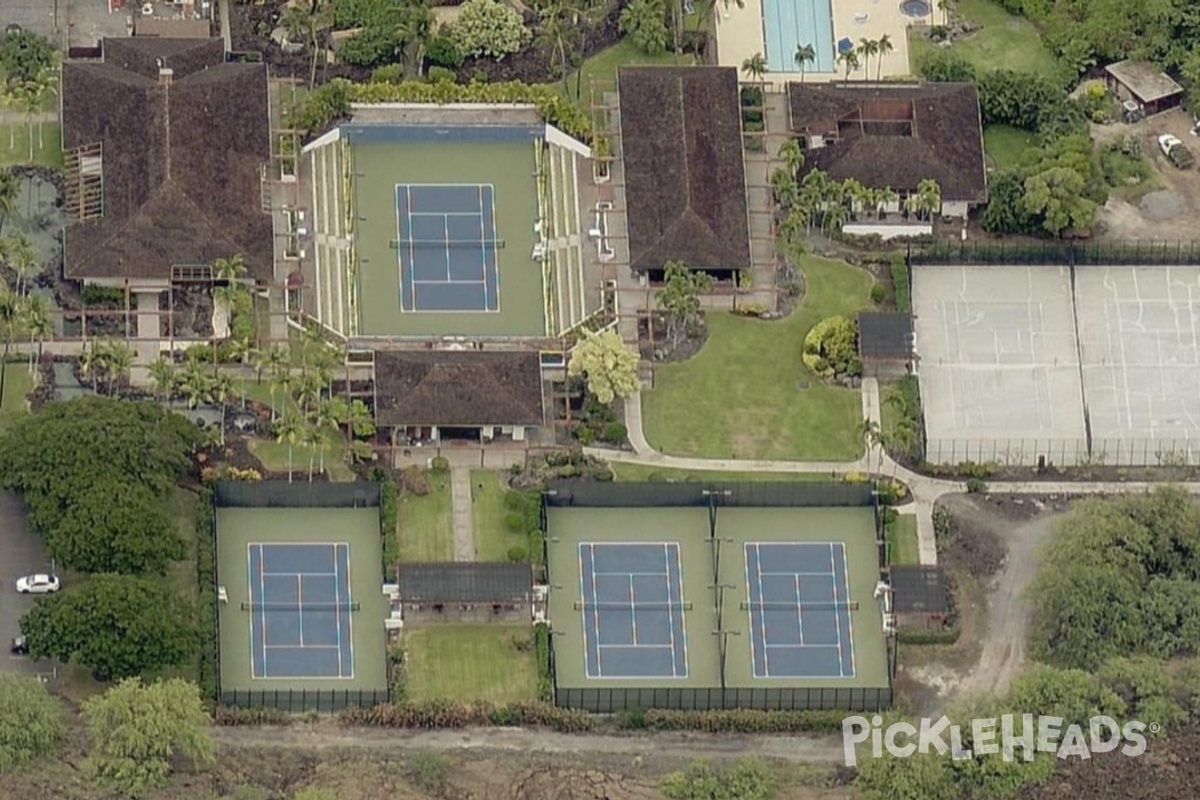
(787, 24)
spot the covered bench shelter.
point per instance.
(885, 344)
(920, 600)
(1145, 84)
(466, 592)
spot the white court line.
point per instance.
(762, 617)
(300, 607)
(337, 612)
(636, 647)
(632, 611)
(849, 616)
(670, 611)
(587, 648)
(446, 214)
(303, 647)
(262, 588)
(837, 617)
(666, 574)
(300, 574)
(250, 589)
(826, 574)
(799, 611)
(801, 646)
(350, 623)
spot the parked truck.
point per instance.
(1176, 152)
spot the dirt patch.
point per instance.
(990, 555)
(1169, 769)
(1162, 205)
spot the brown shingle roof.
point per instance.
(685, 181)
(181, 163)
(1145, 80)
(458, 388)
(895, 135)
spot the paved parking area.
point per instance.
(85, 21)
(20, 554)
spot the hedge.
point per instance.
(206, 579)
(233, 716)
(436, 714)
(387, 524)
(545, 680)
(733, 721)
(323, 105)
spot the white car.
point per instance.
(38, 584)
(1167, 142)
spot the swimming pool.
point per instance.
(788, 24)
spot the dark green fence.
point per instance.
(281, 494)
(604, 701)
(300, 701)
(1054, 253)
(660, 494)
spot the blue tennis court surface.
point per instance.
(790, 24)
(300, 606)
(447, 247)
(799, 610)
(633, 624)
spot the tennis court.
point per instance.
(300, 610)
(447, 247)
(633, 610)
(799, 607)
(790, 24)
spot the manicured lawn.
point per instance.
(426, 524)
(14, 144)
(603, 66)
(17, 383)
(471, 662)
(747, 394)
(492, 536)
(902, 540)
(1005, 145)
(1005, 42)
(274, 457)
(647, 472)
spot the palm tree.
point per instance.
(196, 385)
(239, 350)
(28, 99)
(850, 60)
(38, 323)
(805, 55)
(287, 431)
(306, 23)
(329, 414)
(887, 196)
(269, 361)
(310, 336)
(313, 439)
(118, 363)
(866, 49)
(553, 32)
(755, 68)
(92, 361)
(10, 314)
(308, 391)
(165, 377)
(282, 381)
(869, 430)
(883, 47)
(710, 8)
(223, 390)
(23, 260)
(10, 190)
(792, 155)
(46, 85)
(929, 197)
(359, 420)
(796, 221)
(835, 217)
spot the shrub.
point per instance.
(232, 716)
(537, 547)
(976, 485)
(645, 23)
(899, 270)
(518, 554)
(541, 639)
(514, 500)
(453, 714)
(614, 433)
(387, 523)
(831, 347)
(488, 28)
(743, 721)
(415, 481)
(206, 580)
(441, 74)
(398, 681)
(388, 73)
(440, 464)
(944, 66)
(878, 292)
(443, 52)
(514, 521)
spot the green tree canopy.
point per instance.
(747, 780)
(137, 730)
(680, 296)
(115, 625)
(31, 721)
(24, 55)
(1119, 579)
(831, 347)
(609, 365)
(93, 472)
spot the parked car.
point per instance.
(1175, 150)
(38, 584)
(20, 647)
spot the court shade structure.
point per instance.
(734, 596)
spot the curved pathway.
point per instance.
(925, 490)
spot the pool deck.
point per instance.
(740, 36)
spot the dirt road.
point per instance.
(329, 735)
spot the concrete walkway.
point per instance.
(464, 528)
(925, 490)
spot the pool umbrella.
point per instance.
(845, 46)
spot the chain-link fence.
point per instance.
(1066, 452)
(604, 701)
(660, 494)
(282, 494)
(300, 701)
(1133, 253)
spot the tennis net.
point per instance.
(793, 606)
(447, 244)
(685, 606)
(300, 606)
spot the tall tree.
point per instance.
(312, 438)
(23, 260)
(10, 315)
(288, 430)
(119, 359)
(164, 376)
(805, 55)
(867, 49)
(608, 364)
(850, 61)
(115, 625)
(680, 297)
(31, 721)
(883, 47)
(35, 309)
(793, 157)
(139, 731)
(10, 190)
(755, 68)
